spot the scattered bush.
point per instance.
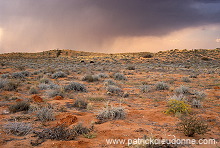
(76, 87)
(148, 56)
(111, 113)
(200, 95)
(19, 106)
(54, 93)
(81, 104)
(205, 59)
(191, 125)
(162, 86)
(90, 78)
(18, 75)
(80, 130)
(33, 90)
(43, 86)
(3, 83)
(182, 90)
(58, 74)
(112, 89)
(45, 81)
(56, 133)
(17, 128)
(61, 132)
(180, 97)
(176, 106)
(186, 79)
(4, 76)
(9, 85)
(103, 75)
(109, 82)
(119, 76)
(196, 103)
(145, 88)
(131, 67)
(45, 114)
(25, 73)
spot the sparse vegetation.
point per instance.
(112, 89)
(182, 90)
(45, 114)
(191, 125)
(75, 86)
(33, 90)
(177, 106)
(119, 76)
(59, 74)
(17, 128)
(186, 79)
(157, 92)
(81, 104)
(111, 113)
(53, 93)
(19, 106)
(145, 88)
(109, 82)
(161, 86)
(90, 78)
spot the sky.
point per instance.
(109, 26)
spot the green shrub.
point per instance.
(177, 106)
(191, 125)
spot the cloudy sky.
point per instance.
(108, 25)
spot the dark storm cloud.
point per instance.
(89, 23)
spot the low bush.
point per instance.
(112, 89)
(3, 83)
(9, 85)
(61, 132)
(186, 79)
(111, 113)
(33, 90)
(75, 86)
(109, 82)
(196, 103)
(148, 56)
(191, 125)
(103, 75)
(45, 81)
(177, 106)
(45, 114)
(17, 128)
(90, 78)
(19, 106)
(81, 104)
(54, 93)
(200, 95)
(119, 76)
(131, 67)
(182, 90)
(145, 88)
(59, 74)
(162, 86)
